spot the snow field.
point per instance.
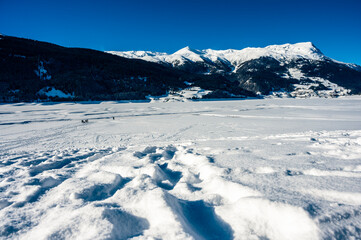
(255, 169)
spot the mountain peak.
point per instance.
(307, 45)
(187, 50)
(296, 50)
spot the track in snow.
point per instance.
(202, 173)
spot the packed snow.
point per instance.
(245, 169)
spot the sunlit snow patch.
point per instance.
(313, 86)
(181, 96)
(52, 92)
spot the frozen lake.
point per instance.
(246, 169)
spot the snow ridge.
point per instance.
(232, 57)
(285, 52)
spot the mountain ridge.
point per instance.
(299, 69)
(235, 57)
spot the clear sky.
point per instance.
(166, 26)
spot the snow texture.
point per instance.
(251, 169)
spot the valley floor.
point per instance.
(246, 169)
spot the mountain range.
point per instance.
(299, 69)
(33, 70)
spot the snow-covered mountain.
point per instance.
(299, 69)
(231, 57)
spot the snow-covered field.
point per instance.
(251, 169)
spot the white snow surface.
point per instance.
(246, 169)
(232, 57)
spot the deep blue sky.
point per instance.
(333, 26)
